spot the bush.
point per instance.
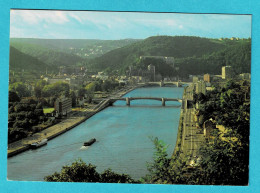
(79, 171)
(108, 176)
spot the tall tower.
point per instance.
(227, 72)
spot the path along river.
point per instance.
(122, 134)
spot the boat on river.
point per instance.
(90, 142)
(39, 144)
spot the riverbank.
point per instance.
(65, 125)
(189, 137)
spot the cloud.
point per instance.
(76, 17)
(114, 25)
(33, 17)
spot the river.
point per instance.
(122, 134)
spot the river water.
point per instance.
(122, 134)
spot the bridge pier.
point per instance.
(127, 101)
(163, 102)
(161, 84)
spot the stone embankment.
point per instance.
(65, 125)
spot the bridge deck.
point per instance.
(147, 98)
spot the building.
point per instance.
(167, 60)
(206, 78)
(55, 80)
(63, 106)
(195, 79)
(245, 76)
(208, 127)
(143, 75)
(151, 69)
(201, 87)
(227, 72)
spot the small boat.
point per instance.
(90, 142)
(39, 143)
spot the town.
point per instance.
(155, 99)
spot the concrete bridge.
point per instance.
(162, 83)
(129, 99)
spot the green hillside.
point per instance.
(177, 46)
(188, 52)
(236, 55)
(49, 56)
(20, 61)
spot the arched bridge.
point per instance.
(129, 99)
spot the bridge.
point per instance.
(162, 83)
(129, 99)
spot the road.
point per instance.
(192, 136)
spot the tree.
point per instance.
(81, 92)
(56, 89)
(38, 88)
(13, 97)
(79, 171)
(159, 168)
(90, 87)
(108, 176)
(20, 88)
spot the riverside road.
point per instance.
(192, 136)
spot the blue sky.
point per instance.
(122, 25)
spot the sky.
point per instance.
(53, 24)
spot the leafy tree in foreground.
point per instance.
(158, 169)
(79, 171)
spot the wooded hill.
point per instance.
(194, 55)
(84, 48)
(20, 61)
(236, 55)
(52, 57)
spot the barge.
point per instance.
(90, 142)
(38, 144)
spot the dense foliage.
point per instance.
(56, 89)
(100, 85)
(238, 56)
(226, 158)
(79, 171)
(20, 89)
(23, 117)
